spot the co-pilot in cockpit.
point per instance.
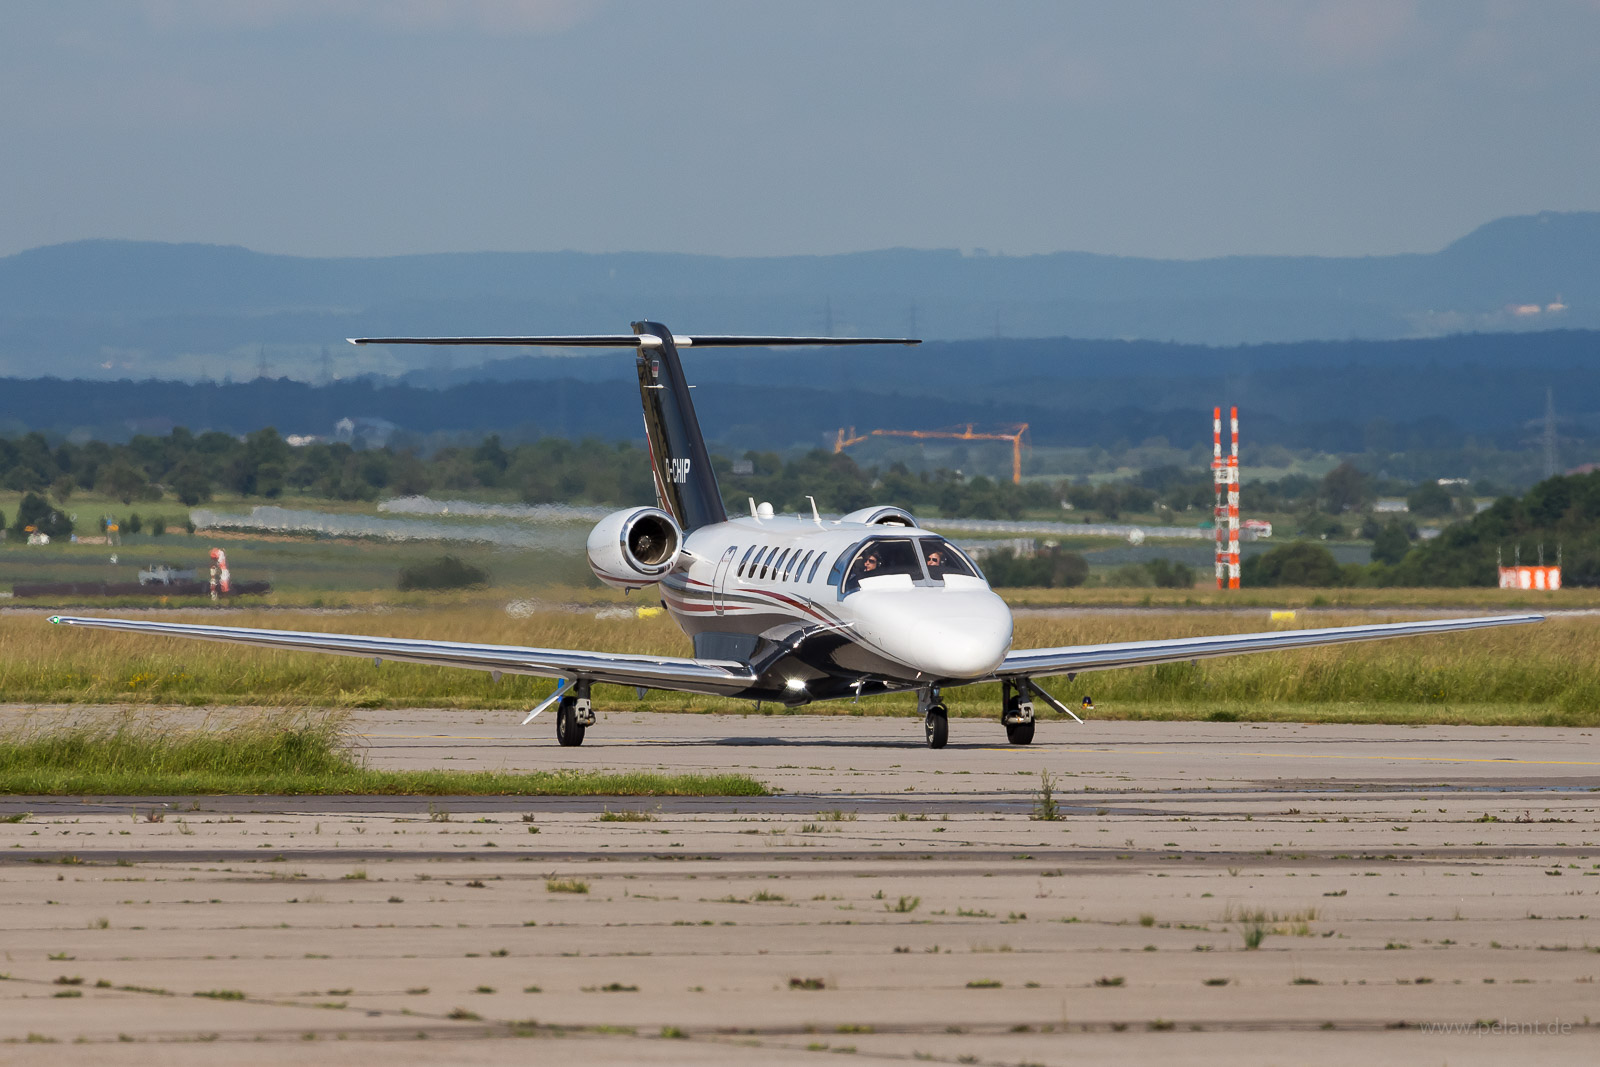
(920, 559)
(941, 558)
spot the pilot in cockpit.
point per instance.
(866, 565)
(935, 561)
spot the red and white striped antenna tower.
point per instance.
(1225, 513)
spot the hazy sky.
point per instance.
(359, 127)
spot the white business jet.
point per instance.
(787, 608)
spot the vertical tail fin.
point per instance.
(686, 486)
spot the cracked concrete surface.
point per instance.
(890, 902)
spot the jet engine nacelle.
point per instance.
(882, 515)
(633, 548)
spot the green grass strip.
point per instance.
(286, 755)
(360, 782)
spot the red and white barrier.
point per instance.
(1530, 577)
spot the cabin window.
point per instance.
(778, 568)
(882, 556)
(820, 557)
(942, 558)
(745, 560)
(766, 562)
(800, 568)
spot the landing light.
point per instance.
(794, 685)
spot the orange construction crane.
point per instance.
(841, 442)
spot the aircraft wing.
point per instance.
(714, 677)
(1072, 659)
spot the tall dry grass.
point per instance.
(1489, 600)
(1549, 672)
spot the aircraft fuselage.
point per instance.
(747, 586)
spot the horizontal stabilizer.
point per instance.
(629, 340)
(595, 340)
(719, 341)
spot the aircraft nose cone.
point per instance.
(951, 635)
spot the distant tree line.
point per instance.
(1058, 568)
(192, 468)
(840, 484)
(1558, 519)
(1558, 515)
(442, 572)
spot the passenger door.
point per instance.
(720, 580)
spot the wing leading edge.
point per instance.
(712, 677)
(729, 678)
(1072, 659)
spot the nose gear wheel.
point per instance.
(937, 726)
(1016, 713)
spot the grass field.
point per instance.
(1547, 674)
(1489, 601)
(282, 754)
(331, 572)
(305, 571)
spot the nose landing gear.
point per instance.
(936, 717)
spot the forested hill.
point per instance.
(113, 309)
(1345, 397)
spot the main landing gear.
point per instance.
(574, 715)
(935, 717)
(1017, 714)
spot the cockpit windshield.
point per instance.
(922, 559)
(882, 556)
(941, 558)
